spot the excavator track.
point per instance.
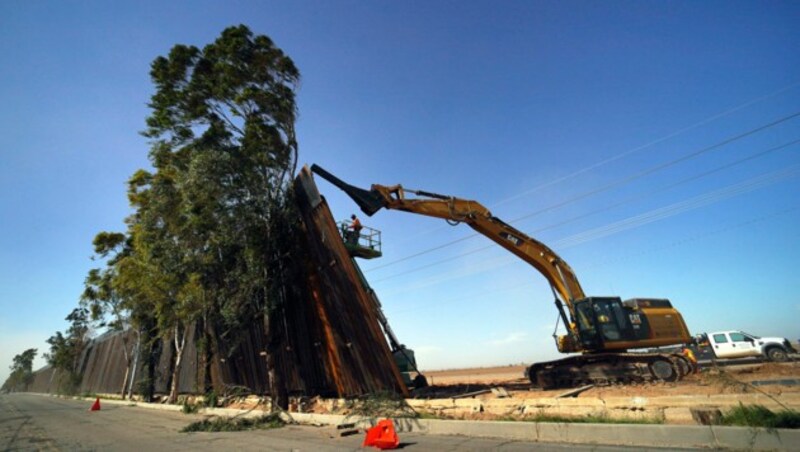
(608, 368)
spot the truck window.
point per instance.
(720, 339)
(738, 337)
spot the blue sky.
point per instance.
(514, 104)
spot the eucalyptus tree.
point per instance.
(155, 275)
(211, 216)
(66, 349)
(21, 371)
(108, 306)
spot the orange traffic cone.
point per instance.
(95, 405)
(382, 436)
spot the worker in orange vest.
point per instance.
(355, 225)
(689, 354)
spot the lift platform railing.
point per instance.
(365, 243)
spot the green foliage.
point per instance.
(143, 387)
(66, 349)
(24, 361)
(68, 382)
(107, 305)
(100, 297)
(380, 405)
(761, 416)
(21, 371)
(227, 424)
(213, 223)
(108, 242)
(189, 408)
(213, 228)
(224, 148)
(211, 399)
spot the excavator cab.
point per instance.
(602, 320)
(364, 243)
(609, 323)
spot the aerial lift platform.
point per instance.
(366, 244)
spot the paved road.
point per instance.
(35, 422)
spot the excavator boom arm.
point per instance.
(540, 256)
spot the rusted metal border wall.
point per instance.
(43, 380)
(104, 363)
(356, 351)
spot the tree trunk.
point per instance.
(127, 357)
(180, 342)
(135, 355)
(154, 347)
(207, 356)
(277, 386)
(124, 389)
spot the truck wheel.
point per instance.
(777, 354)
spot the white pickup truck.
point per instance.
(738, 344)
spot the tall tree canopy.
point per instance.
(212, 233)
(108, 304)
(66, 349)
(235, 97)
(21, 371)
(213, 218)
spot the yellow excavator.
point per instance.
(603, 330)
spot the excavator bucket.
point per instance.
(369, 201)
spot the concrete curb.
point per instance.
(674, 436)
(667, 436)
(636, 435)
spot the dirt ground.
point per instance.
(731, 379)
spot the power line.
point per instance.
(649, 144)
(671, 186)
(679, 207)
(606, 208)
(670, 210)
(662, 166)
(674, 244)
(703, 235)
(608, 187)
